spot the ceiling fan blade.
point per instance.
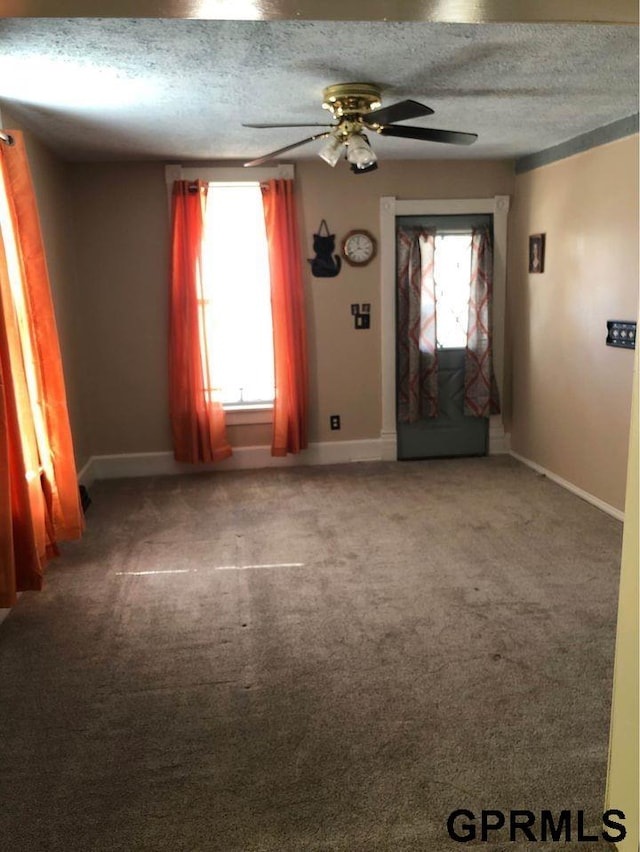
(397, 112)
(429, 134)
(270, 156)
(307, 124)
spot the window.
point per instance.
(452, 273)
(236, 329)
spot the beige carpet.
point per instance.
(320, 659)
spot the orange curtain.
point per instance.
(39, 499)
(290, 408)
(197, 420)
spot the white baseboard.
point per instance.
(128, 465)
(243, 458)
(499, 440)
(388, 445)
(84, 474)
(590, 498)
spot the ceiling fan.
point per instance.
(356, 108)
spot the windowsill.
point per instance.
(237, 416)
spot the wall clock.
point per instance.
(359, 247)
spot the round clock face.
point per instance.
(358, 248)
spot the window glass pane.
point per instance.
(452, 273)
(237, 312)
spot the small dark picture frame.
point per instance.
(536, 253)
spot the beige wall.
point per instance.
(571, 393)
(121, 223)
(121, 220)
(51, 186)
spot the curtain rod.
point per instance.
(6, 138)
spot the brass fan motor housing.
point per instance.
(351, 99)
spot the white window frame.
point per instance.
(232, 174)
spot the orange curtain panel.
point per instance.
(197, 420)
(290, 407)
(39, 499)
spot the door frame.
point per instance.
(390, 207)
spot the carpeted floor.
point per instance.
(324, 659)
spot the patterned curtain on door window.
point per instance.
(416, 325)
(480, 388)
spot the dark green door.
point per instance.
(451, 433)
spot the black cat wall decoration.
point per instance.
(325, 264)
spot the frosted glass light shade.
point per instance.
(331, 152)
(359, 153)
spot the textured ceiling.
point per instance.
(170, 89)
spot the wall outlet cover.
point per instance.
(334, 421)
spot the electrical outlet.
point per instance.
(334, 421)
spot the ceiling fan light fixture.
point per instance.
(359, 153)
(331, 151)
(356, 107)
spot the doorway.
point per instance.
(449, 432)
